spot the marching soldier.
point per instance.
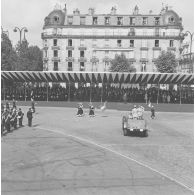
(20, 117)
(152, 112)
(29, 116)
(80, 110)
(91, 110)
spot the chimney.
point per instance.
(136, 10)
(91, 11)
(113, 11)
(76, 12)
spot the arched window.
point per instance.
(56, 19)
(171, 20)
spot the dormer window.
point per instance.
(145, 20)
(95, 20)
(107, 20)
(56, 19)
(119, 20)
(132, 20)
(157, 20)
(171, 20)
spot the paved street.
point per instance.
(64, 154)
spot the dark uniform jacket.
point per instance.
(29, 115)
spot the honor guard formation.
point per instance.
(12, 117)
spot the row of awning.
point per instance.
(98, 77)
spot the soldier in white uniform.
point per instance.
(134, 112)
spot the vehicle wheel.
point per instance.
(125, 132)
(145, 133)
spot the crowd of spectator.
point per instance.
(96, 93)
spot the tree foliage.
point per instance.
(30, 58)
(121, 64)
(166, 62)
(22, 58)
(8, 54)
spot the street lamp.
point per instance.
(191, 37)
(20, 31)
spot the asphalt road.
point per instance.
(64, 154)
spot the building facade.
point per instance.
(88, 42)
(186, 62)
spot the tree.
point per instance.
(30, 58)
(8, 54)
(121, 64)
(166, 62)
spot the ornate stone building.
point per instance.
(87, 42)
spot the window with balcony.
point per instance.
(55, 53)
(132, 20)
(106, 53)
(82, 66)
(69, 53)
(69, 42)
(171, 20)
(106, 42)
(143, 68)
(95, 20)
(156, 43)
(106, 66)
(69, 66)
(94, 43)
(132, 32)
(156, 54)
(119, 43)
(55, 68)
(144, 54)
(157, 32)
(131, 43)
(107, 20)
(94, 53)
(119, 20)
(55, 42)
(45, 43)
(144, 20)
(131, 54)
(45, 53)
(171, 43)
(94, 66)
(82, 20)
(157, 20)
(144, 43)
(82, 54)
(70, 20)
(82, 41)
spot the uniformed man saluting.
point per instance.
(29, 116)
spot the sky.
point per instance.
(31, 13)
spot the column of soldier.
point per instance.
(12, 118)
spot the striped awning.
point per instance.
(98, 77)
